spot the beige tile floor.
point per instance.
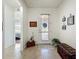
(37, 52)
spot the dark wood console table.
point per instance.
(30, 43)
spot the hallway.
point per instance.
(52, 19)
(37, 52)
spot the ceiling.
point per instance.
(43, 3)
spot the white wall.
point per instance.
(34, 14)
(24, 30)
(69, 35)
(8, 25)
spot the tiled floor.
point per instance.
(37, 52)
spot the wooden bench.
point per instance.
(66, 51)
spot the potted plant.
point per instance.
(55, 42)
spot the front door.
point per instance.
(44, 29)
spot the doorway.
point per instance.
(44, 28)
(18, 28)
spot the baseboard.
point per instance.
(9, 46)
(43, 44)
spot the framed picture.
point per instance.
(70, 20)
(33, 23)
(63, 19)
(63, 27)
